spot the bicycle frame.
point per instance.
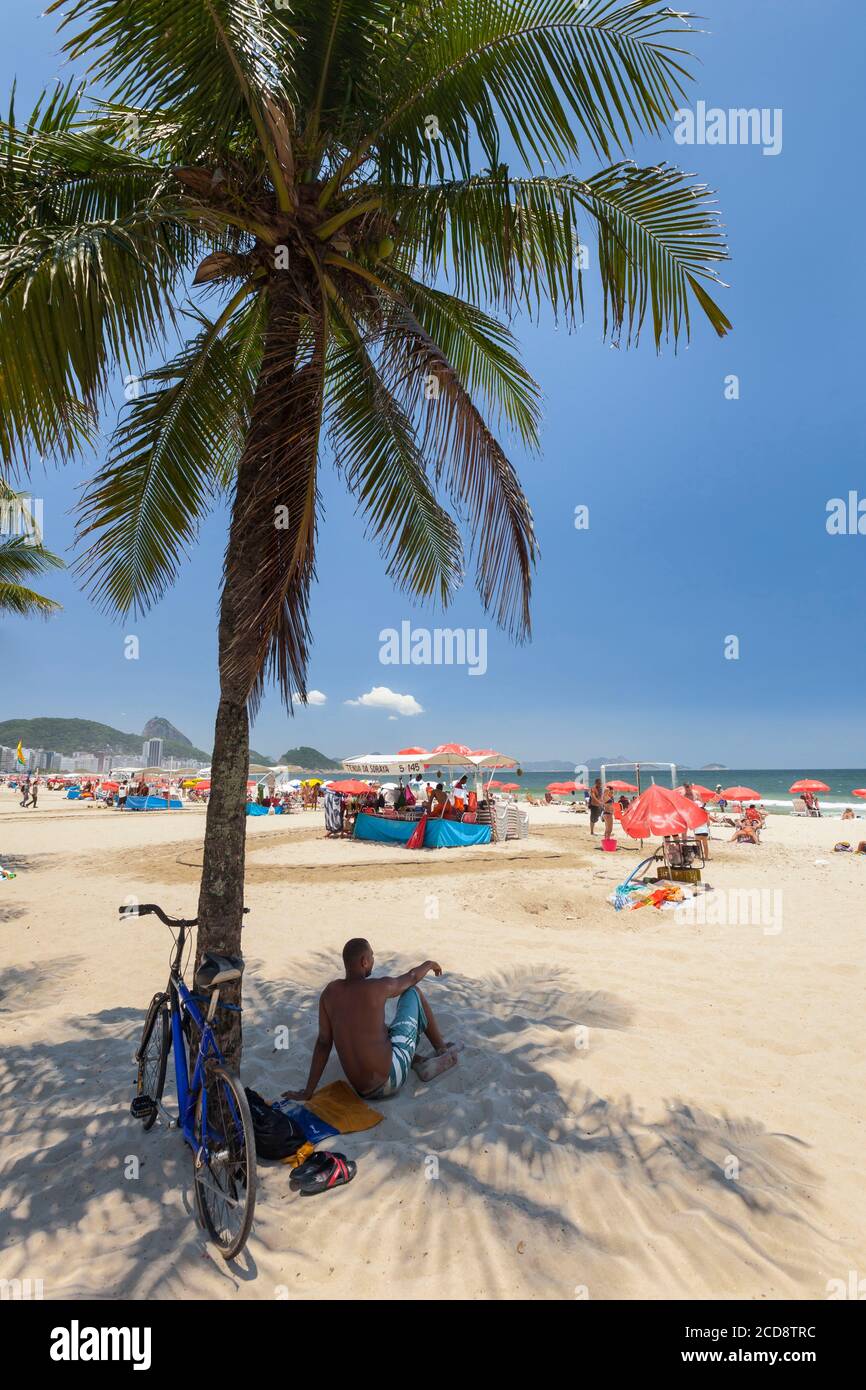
(188, 1089)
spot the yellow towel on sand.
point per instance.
(338, 1105)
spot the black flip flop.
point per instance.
(321, 1172)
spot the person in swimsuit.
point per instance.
(437, 801)
(607, 808)
(595, 804)
(375, 1056)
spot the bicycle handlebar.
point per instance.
(144, 910)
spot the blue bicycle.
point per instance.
(213, 1112)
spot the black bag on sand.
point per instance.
(277, 1136)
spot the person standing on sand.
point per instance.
(24, 788)
(376, 1058)
(34, 792)
(607, 808)
(701, 831)
(595, 804)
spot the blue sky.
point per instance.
(707, 516)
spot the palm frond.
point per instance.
(519, 241)
(21, 559)
(175, 449)
(482, 351)
(22, 602)
(545, 69)
(374, 444)
(471, 462)
(213, 63)
(657, 237)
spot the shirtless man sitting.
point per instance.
(376, 1058)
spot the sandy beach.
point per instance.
(646, 1106)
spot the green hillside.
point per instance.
(68, 736)
(310, 759)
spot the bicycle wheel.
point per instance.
(152, 1055)
(225, 1186)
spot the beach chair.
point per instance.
(681, 860)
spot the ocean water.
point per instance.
(772, 783)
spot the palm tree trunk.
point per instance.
(221, 895)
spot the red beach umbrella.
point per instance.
(661, 811)
(808, 784)
(351, 787)
(411, 752)
(494, 784)
(511, 786)
(458, 749)
(740, 794)
(860, 791)
(621, 786)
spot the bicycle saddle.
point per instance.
(217, 970)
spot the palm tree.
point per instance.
(332, 173)
(21, 557)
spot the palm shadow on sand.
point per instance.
(509, 1138)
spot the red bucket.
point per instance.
(608, 844)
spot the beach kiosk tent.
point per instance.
(414, 763)
(384, 765)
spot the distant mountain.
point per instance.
(599, 758)
(68, 736)
(160, 728)
(310, 759)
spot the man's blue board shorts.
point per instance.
(408, 1024)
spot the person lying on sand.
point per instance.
(376, 1058)
(746, 835)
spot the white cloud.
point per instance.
(380, 697)
(314, 697)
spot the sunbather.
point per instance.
(376, 1058)
(746, 834)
